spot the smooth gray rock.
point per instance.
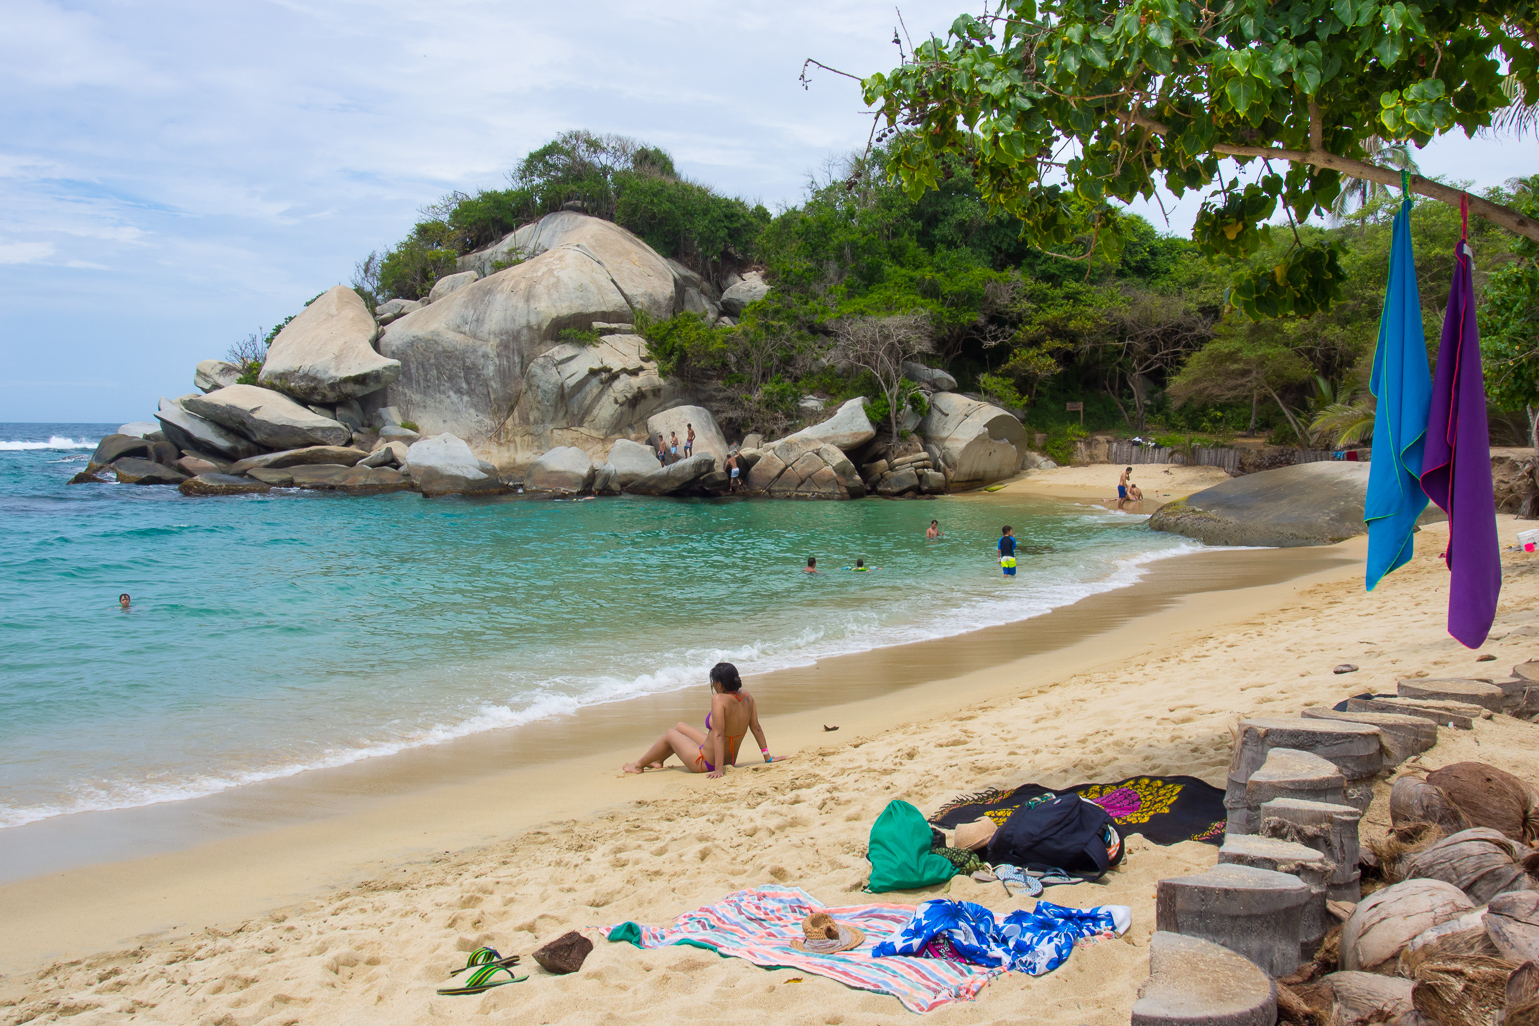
(275, 478)
(847, 430)
(308, 456)
(1329, 828)
(932, 482)
(565, 468)
(187, 430)
(386, 416)
(631, 461)
(980, 443)
(213, 374)
(193, 466)
(1194, 982)
(799, 468)
(326, 353)
(397, 433)
(898, 482)
(114, 447)
(752, 440)
(350, 414)
(395, 309)
(444, 465)
(1310, 866)
(606, 480)
(1400, 736)
(138, 428)
(1470, 692)
(932, 378)
(451, 283)
(267, 417)
(674, 478)
(708, 436)
(606, 389)
(738, 296)
(134, 470)
(464, 357)
(354, 480)
(1305, 504)
(222, 484)
(384, 456)
(1252, 912)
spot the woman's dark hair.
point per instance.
(725, 674)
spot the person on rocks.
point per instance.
(734, 472)
(710, 751)
(662, 450)
(673, 447)
(689, 441)
(1007, 550)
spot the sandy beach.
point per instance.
(360, 916)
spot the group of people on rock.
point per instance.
(668, 449)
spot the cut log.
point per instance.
(1253, 912)
(1402, 736)
(1470, 692)
(1193, 982)
(1458, 715)
(1302, 861)
(1386, 921)
(1490, 797)
(1330, 829)
(1355, 749)
(1528, 671)
(1288, 773)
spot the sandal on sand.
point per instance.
(488, 956)
(478, 978)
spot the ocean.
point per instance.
(269, 635)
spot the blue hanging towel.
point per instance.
(1402, 383)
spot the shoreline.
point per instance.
(417, 804)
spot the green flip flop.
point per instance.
(488, 956)
(478, 978)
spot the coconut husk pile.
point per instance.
(1386, 921)
(1489, 797)
(1480, 861)
(1403, 840)
(1412, 800)
(1463, 991)
(1464, 937)
(1523, 996)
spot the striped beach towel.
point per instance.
(759, 925)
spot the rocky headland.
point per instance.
(473, 390)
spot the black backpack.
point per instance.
(1066, 832)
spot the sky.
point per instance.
(176, 175)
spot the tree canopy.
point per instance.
(1059, 106)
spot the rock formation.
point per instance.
(326, 353)
(978, 443)
(267, 417)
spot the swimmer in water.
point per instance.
(812, 565)
(123, 602)
(860, 567)
(934, 531)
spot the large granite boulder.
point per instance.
(979, 443)
(444, 465)
(1305, 504)
(134, 470)
(395, 309)
(138, 428)
(464, 357)
(750, 290)
(847, 430)
(676, 477)
(308, 456)
(565, 468)
(708, 436)
(212, 374)
(930, 378)
(222, 484)
(116, 446)
(268, 418)
(608, 389)
(631, 461)
(326, 353)
(700, 297)
(800, 468)
(451, 283)
(187, 430)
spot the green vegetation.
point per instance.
(1509, 325)
(409, 425)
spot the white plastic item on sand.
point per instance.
(1528, 541)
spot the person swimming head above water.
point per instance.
(123, 601)
(812, 565)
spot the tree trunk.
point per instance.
(1298, 429)
(1255, 400)
(1533, 431)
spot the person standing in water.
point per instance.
(1007, 550)
(710, 751)
(933, 531)
(689, 441)
(812, 565)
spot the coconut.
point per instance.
(1481, 862)
(1457, 938)
(1386, 921)
(1413, 800)
(1394, 849)
(1462, 992)
(1489, 797)
(1358, 998)
(1523, 996)
(1512, 921)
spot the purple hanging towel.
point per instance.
(1456, 467)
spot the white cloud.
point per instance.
(25, 252)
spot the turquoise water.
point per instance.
(272, 634)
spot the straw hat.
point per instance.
(975, 835)
(824, 935)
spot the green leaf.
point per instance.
(1242, 93)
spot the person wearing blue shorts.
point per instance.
(1122, 486)
(1007, 550)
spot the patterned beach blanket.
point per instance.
(1034, 942)
(759, 925)
(1166, 810)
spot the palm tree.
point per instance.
(1348, 420)
(1519, 117)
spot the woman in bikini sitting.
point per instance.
(710, 751)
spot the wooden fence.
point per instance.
(1130, 455)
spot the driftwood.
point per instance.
(1462, 992)
(1481, 862)
(1414, 800)
(1490, 797)
(1386, 921)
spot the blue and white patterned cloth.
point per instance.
(1034, 942)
